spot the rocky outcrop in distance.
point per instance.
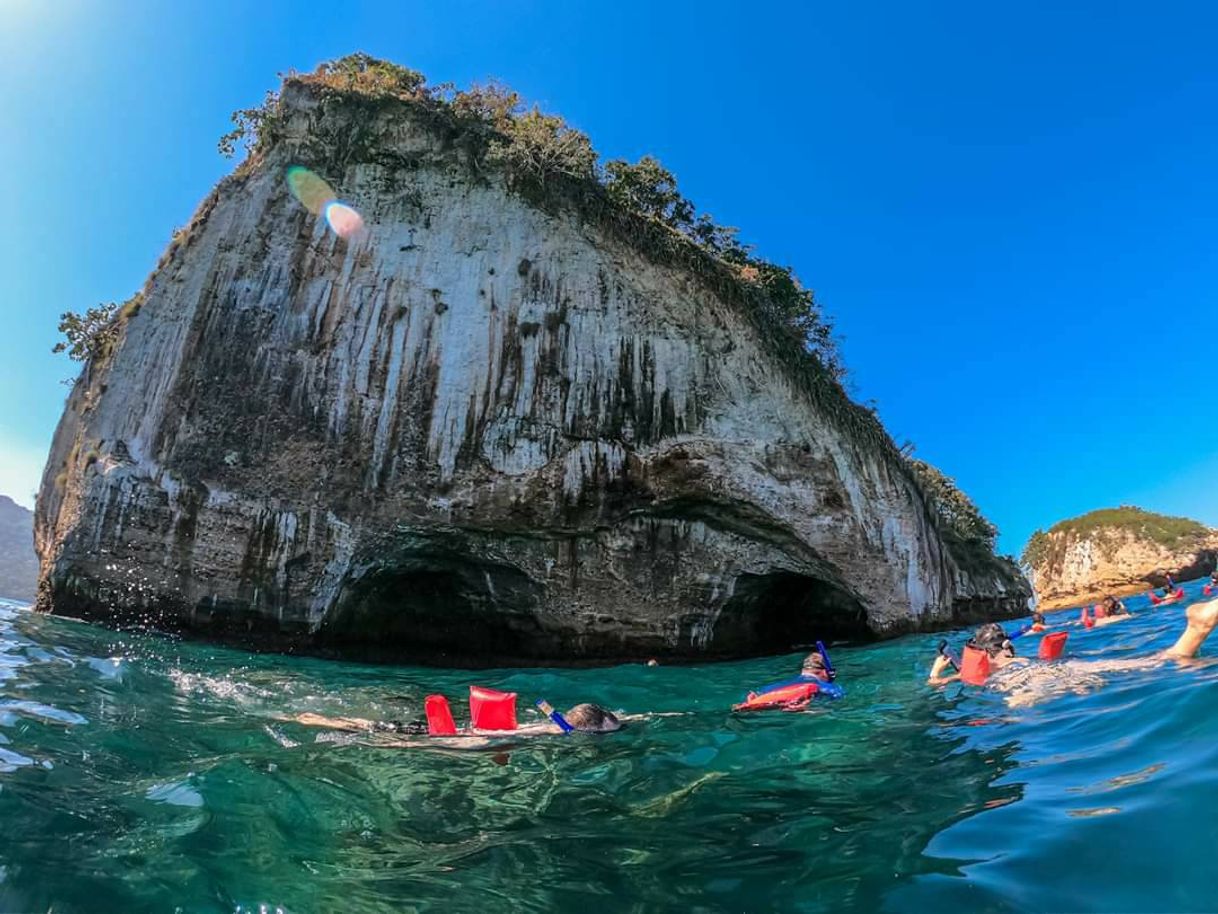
(489, 427)
(1116, 551)
(18, 563)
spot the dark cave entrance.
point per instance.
(441, 608)
(783, 611)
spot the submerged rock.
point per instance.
(486, 425)
(1116, 551)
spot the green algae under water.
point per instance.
(139, 773)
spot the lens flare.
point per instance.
(319, 198)
(310, 189)
(345, 221)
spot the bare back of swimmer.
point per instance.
(1024, 682)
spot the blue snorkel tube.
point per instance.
(950, 657)
(548, 710)
(824, 655)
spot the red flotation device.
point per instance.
(1051, 646)
(491, 710)
(1207, 589)
(793, 696)
(1087, 621)
(439, 716)
(974, 665)
(1170, 598)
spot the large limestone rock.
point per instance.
(1116, 551)
(483, 429)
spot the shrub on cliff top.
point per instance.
(956, 511)
(92, 335)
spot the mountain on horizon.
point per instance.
(18, 564)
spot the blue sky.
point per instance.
(1011, 210)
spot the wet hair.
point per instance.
(1038, 618)
(589, 718)
(814, 663)
(992, 639)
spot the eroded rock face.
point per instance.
(1118, 562)
(482, 430)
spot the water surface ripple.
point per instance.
(142, 773)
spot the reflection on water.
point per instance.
(138, 773)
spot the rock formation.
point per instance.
(18, 563)
(1116, 551)
(490, 426)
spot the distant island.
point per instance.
(1118, 551)
(18, 564)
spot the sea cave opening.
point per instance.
(783, 611)
(437, 609)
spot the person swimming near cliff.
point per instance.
(991, 639)
(816, 675)
(582, 718)
(1025, 683)
(1110, 609)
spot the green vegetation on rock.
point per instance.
(957, 513)
(1044, 548)
(93, 334)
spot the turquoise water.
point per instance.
(144, 774)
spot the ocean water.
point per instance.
(140, 773)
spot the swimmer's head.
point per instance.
(1038, 618)
(814, 665)
(589, 718)
(992, 639)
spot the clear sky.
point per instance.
(1010, 209)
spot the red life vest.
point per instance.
(794, 694)
(491, 710)
(1051, 646)
(974, 665)
(439, 716)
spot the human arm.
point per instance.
(937, 678)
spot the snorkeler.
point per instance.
(1110, 609)
(815, 677)
(583, 718)
(1028, 682)
(990, 639)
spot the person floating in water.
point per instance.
(583, 718)
(1169, 588)
(1110, 608)
(1025, 683)
(815, 678)
(990, 638)
(492, 718)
